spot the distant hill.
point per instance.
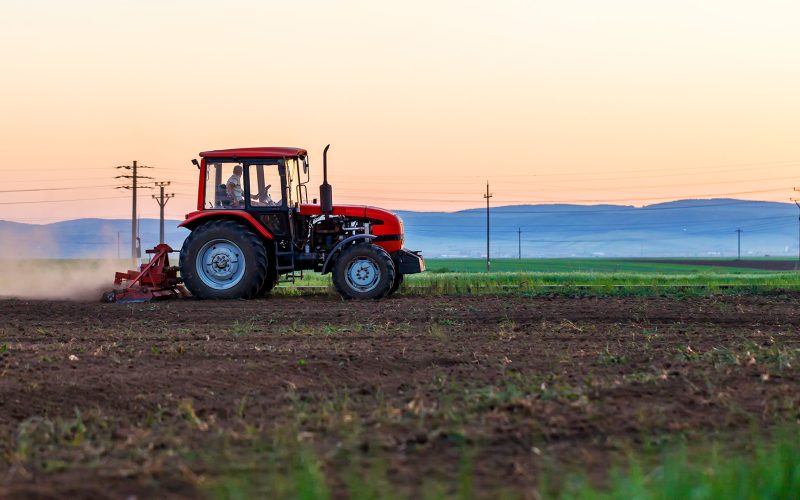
(686, 228)
(82, 238)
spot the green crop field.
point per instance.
(575, 265)
(568, 276)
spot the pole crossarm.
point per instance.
(162, 201)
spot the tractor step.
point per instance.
(290, 267)
(291, 277)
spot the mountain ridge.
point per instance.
(681, 228)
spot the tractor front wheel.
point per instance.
(363, 271)
(223, 259)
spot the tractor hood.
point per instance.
(384, 222)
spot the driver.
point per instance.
(234, 187)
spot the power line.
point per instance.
(60, 201)
(540, 186)
(68, 169)
(672, 171)
(55, 189)
(600, 201)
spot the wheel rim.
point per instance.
(220, 264)
(363, 274)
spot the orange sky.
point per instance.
(619, 101)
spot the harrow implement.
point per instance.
(156, 280)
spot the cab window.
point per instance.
(224, 186)
(264, 185)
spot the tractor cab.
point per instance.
(267, 183)
(245, 184)
(254, 227)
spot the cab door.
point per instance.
(267, 196)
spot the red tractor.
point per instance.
(255, 227)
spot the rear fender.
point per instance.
(326, 267)
(194, 219)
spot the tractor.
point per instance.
(254, 227)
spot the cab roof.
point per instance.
(259, 152)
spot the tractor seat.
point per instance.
(222, 197)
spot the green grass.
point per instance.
(460, 277)
(771, 470)
(571, 283)
(576, 265)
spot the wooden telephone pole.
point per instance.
(487, 196)
(797, 202)
(133, 186)
(162, 200)
(739, 244)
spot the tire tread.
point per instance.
(338, 281)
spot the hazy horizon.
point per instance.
(688, 228)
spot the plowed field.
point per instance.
(187, 398)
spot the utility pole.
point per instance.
(162, 200)
(134, 186)
(796, 200)
(487, 196)
(519, 242)
(739, 244)
(119, 248)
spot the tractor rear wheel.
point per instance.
(223, 259)
(363, 271)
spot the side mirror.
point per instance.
(196, 163)
(305, 165)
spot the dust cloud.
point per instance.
(27, 273)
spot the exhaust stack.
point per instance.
(325, 190)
